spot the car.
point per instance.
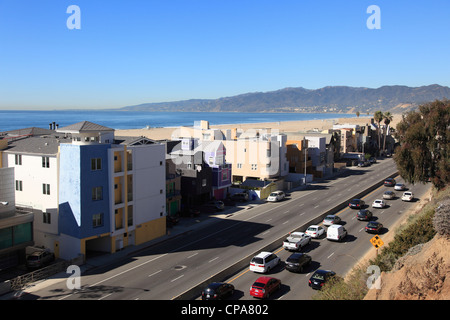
(217, 291)
(297, 262)
(331, 219)
(336, 233)
(389, 195)
(242, 197)
(374, 227)
(357, 204)
(407, 196)
(296, 241)
(263, 287)
(264, 262)
(216, 204)
(378, 203)
(39, 259)
(276, 196)
(363, 163)
(389, 182)
(364, 214)
(315, 231)
(373, 160)
(319, 278)
(400, 186)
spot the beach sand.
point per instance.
(285, 126)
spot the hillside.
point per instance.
(335, 99)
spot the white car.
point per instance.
(407, 196)
(378, 203)
(399, 187)
(264, 261)
(276, 196)
(315, 231)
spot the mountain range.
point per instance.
(335, 99)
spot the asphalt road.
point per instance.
(168, 270)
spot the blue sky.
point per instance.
(138, 51)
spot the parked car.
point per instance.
(264, 262)
(389, 182)
(319, 278)
(217, 291)
(407, 196)
(373, 160)
(216, 204)
(296, 241)
(263, 287)
(297, 262)
(389, 195)
(364, 214)
(276, 196)
(374, 227)
(357, 204)
(363, 163)
(39, 259)
(242, 197)
(336, 232)
(315, 231)
(378, 203)
(331, 219)
(400, 187)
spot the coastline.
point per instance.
(163, 133)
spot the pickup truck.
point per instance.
(296, 241)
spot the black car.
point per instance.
(217, 291)
(374, 227)
(389, 182)
(297, 261)
(357, 204)
(319, 278)
(364, 214)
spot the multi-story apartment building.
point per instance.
(90, 190)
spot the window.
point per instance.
(46, 188)
(97, 220)
(96, 164)
(45, 162)
(239, 165)
(254, 166)
(18, 159)
(224, 175)
(97, 193)
(46, 217)
(18, 185)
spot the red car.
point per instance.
(263, 287)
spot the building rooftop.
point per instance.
(83, 126)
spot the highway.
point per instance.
(178, 268)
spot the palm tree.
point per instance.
(387, 119)
(378, 117)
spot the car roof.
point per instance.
(296, 255)
(214, 285)
(322, 271)
(263, 254)
(335, 226)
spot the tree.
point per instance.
(424, 152)
(378, 117)
(387, 116)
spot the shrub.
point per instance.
(441, 220)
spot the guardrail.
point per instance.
(235, 268)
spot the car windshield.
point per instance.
(273, 194)
(258, 285)
(318, 276)
(292, 260)
(312, 229)
(372, 224)
(329, 218)
(257, 260)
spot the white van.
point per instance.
(264, 261)
(336, 232)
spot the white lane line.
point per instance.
(154, 273)
(177, 278)
(316, 206)
(286, 222)
(330, 256)
(361, 229)
(264, 233)
(213, 259)
(65, 297)
(192, 255)
(105, 296)
(268, 220)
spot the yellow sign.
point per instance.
(376, 242)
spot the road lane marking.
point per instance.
(192, 255)
(330, 256)
(154, 273)
(105, 296)
(177, 278)
(213, 259)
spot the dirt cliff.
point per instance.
(422, 274)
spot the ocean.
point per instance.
(12, 120)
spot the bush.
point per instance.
(441, 220)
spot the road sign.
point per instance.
(376, 242)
